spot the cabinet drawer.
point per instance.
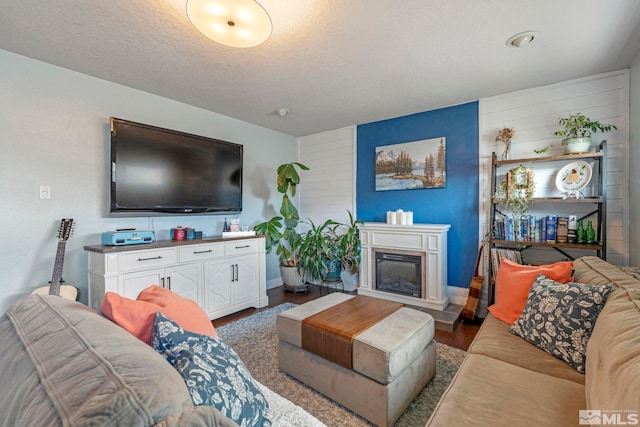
(139, 260)
(197, 252)
(239, 247)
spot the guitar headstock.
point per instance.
(65, 229)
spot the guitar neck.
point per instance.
(56, 278)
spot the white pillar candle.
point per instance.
(403, 218)
(388, 217)
(393, 218)
(410, 217)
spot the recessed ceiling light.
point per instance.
(282, 111)
(522, 39)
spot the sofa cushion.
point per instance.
(137, 316)
(513, 282)
(494, 340)
(613, 353)
(595, 271)
(490, 392)
(64, 364)
(559, 317)
(213, 372)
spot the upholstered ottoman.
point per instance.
(392, 360)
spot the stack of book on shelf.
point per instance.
(547, 229)
(497, 254)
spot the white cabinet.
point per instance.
(230, 283)
(221, 276)
(185, 280)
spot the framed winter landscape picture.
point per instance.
(411, 165)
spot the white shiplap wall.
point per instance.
(327, 189)
(534, 113)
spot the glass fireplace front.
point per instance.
(399, 273)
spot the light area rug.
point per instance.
(254, 339)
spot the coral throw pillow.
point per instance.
(137, 316)
(514, 281)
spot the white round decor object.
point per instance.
(573, 176)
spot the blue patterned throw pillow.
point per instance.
(558, 318)
(213, 372)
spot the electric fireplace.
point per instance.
(399, 272)
(405, 263)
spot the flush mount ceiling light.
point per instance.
(522, 39)
(236, 23)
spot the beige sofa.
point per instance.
(505, 381)
(63, 364)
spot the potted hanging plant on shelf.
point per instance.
(280, 231)
(514, 195)
(577, 132)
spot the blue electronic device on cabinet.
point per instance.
(127, 237)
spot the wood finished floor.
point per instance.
(461, 338)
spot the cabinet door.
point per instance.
(217, 285)
(246, 278)
(186, 281)
(132, 283)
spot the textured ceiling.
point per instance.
(332, 63)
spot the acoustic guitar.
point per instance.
(475, 289)
(56, 287)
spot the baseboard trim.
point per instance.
(274, 283)
(457, 295)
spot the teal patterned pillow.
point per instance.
(558, 318)
(213, 372)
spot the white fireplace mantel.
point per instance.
(427, 239)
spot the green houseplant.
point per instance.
(320, 252)
(577, 132)
(350, 253)
(280, 231)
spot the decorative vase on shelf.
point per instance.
(504, 136)
(580, 233)
(590, 233)
(506, 153)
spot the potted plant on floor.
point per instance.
(280, 231)
(350, 253)
(320, 252)
(577, 132)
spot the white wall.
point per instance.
(55, 131)
(534, 115)
(328, 188)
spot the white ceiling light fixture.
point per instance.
(236, 23)
(522, 39)
(282, 111)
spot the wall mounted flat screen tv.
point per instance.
(156, 171)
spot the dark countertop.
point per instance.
(105, 249)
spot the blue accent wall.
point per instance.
(456, 204)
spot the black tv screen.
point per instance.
(161, 171)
